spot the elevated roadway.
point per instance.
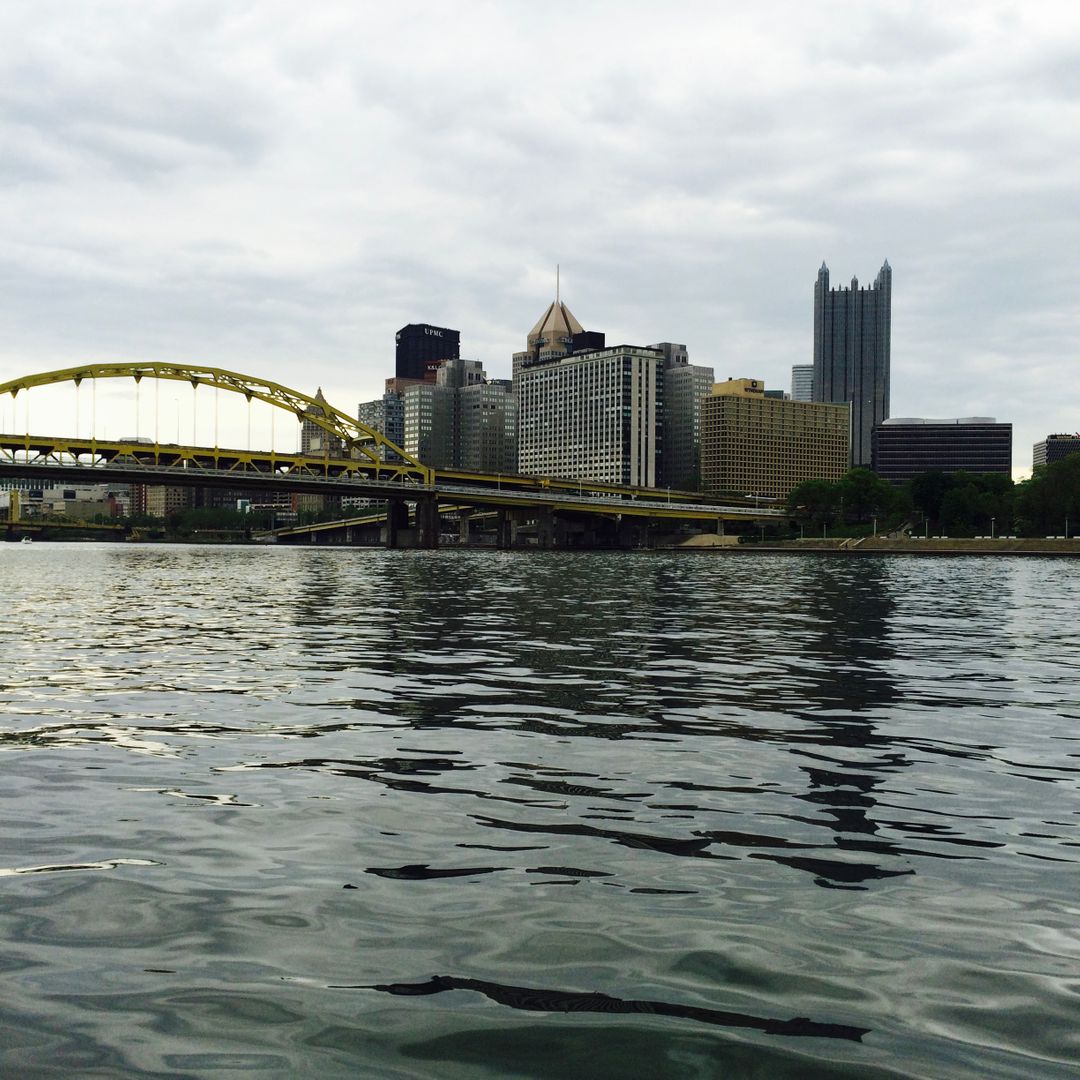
(358, 462)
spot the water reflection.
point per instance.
(529, 999)
(719, 790)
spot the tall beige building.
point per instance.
(158, 500)
(315, 440)
(767, 446)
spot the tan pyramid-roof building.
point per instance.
(557, 324)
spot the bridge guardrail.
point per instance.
(412, 486)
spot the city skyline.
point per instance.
(257, 189)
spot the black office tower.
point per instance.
(905, 447)
(421, 348)
(852, 332)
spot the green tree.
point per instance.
(1050, 499)
(977, 504)
(814, 500)
(963, 503)
(927, 492)
(865, 495)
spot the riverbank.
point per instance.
(889, 545)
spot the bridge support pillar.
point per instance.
(397, 518)
(545, 528)
(518, 521)
(562, 531)
(427, 522)
(464, 522)
(503, 537)
(632, 533)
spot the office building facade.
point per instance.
(592, 415)
(427, 423)
(315, 440)
(802, 382)
(684, 387)
(462, 420)
(420, 348)
(906, 446)
(485, 427)
(764, 446)
(852, 347)
(386, 415)
(1054, 448)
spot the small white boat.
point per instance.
(26, 540)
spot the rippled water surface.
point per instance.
(291, 812)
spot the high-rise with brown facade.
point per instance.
(767, 446)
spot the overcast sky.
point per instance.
(276, 188)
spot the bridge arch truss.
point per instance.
(363, 450)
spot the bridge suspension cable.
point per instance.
(357, 440)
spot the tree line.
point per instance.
(945, 503)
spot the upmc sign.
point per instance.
(432, 332)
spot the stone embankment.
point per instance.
(893, 545)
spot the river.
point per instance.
(287, 812)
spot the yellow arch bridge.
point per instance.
(355, 460)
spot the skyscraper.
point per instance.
(315, 440)
(421, 347)
(802, 382)
(852, 334)
(462, 420)
(1054, 448)
(684, 386)
(586, 411)
(387, 416)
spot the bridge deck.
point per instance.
(96, 461)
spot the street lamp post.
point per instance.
(993, 522)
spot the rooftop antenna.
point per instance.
(556, 283)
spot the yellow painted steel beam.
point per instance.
(569, 486)
(358, 438)
(61, 451)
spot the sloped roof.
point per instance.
(555, 324)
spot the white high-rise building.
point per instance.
(802, 382)
(592, 415)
